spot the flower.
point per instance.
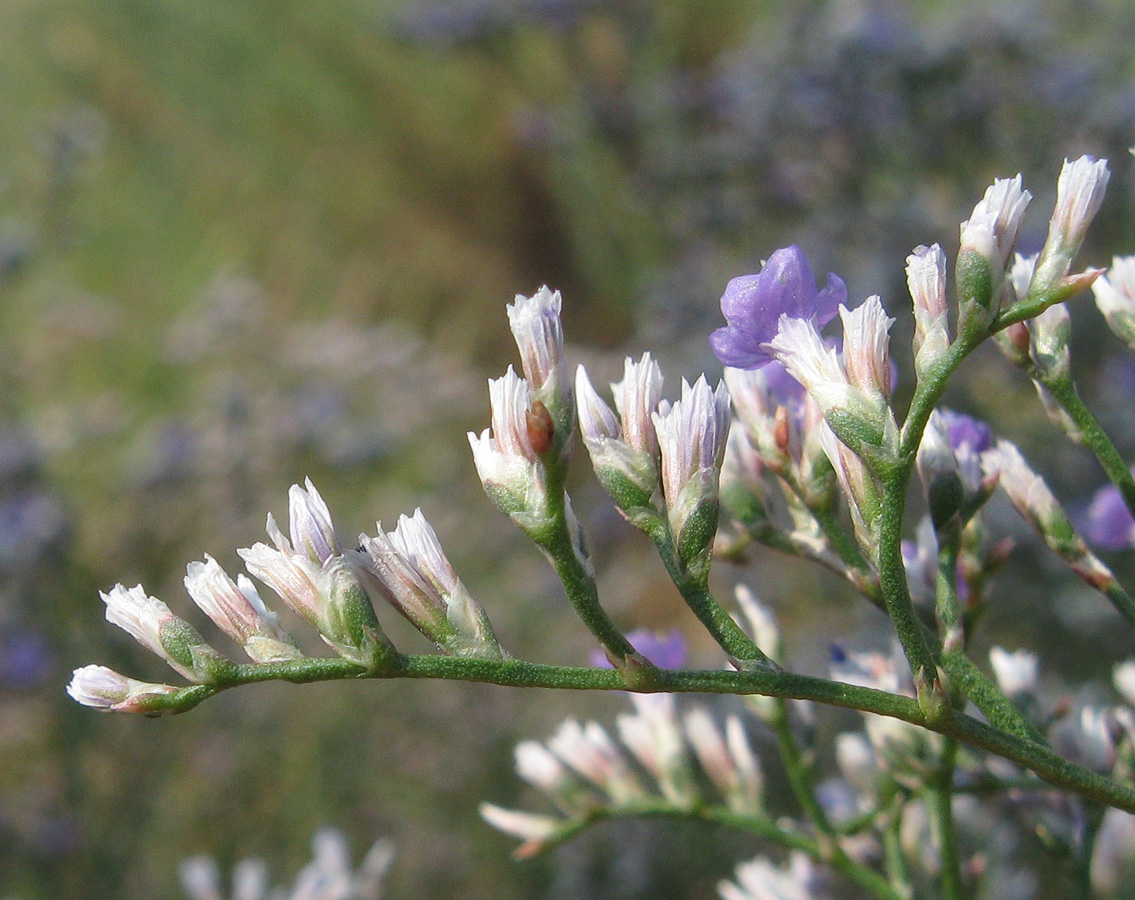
(153, 625)
(1115, 297)
(926, 279)
(1015, 671)
(507, 455)
(692, 434)
(753, 306)
(666, 650)
(536, 326)
(105, 689)
(236, 608)
(408, 567)
(1110, 524)
(317, 580)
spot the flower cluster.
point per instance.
(329, 876)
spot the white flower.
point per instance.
(926, 279)
(535, 323)
(410, 569)
(148, 620)
(237, 610)
(1016, 671)
(103, 688)
(995, 223)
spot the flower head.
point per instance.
(236, 608)
(754, 304)
(535, 323)
(408, 567)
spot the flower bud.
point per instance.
(1079, 192)
(692, 435)
(105, 689)
(926, 279)
(536, 326)
(1115, 297)
(236, 608)
(409, 568)
(150, 622)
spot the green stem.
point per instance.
(941, 797)
(1030, 755)
(1092, 436)
(717, 621)
(893, 857)
(761, 826)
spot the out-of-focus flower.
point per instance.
(727, 759)
(1016, 671)
(329, 876)
(950, 464)
(1115, 297)
(105, 689)
(1110, 524)
(533, 829)
(666, 650)
(761, 624)
(591, 752)
(236, 608)
(754, 304)
(654, 737)
(761, 879)
(1027, 491)
(692, 434)
(408, 567)
(1124, 680)
(1113, 856)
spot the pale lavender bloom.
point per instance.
(653, 735)
(236, 608)
(1028, 492)
(589, 750)
(1110, 524)
(310, 523)
(729, 761)
(754, 304)
(1079, 193)
(535, 323)
(866, 347)
(409, 568)
(995, 223)
(666, 650)
(325, 592)
(507, 455)
(542, 769)
(624, 448)
(692, 436)
(1016, 671)
(761, 879)
(147, 620)
(1115, 297)
(105, 689)
(926, 279)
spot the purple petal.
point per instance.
(1110, 524)
(753, 304)
(666, 650)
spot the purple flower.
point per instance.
(753, 305)
(666, 650)
(1110, 524)
(966, 432)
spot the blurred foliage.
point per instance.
(245, 241)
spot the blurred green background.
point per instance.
(247, 241)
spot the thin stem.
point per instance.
(893, 857)
(717, 621)
(941, 791)
(762, 826)
(1028, 754)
